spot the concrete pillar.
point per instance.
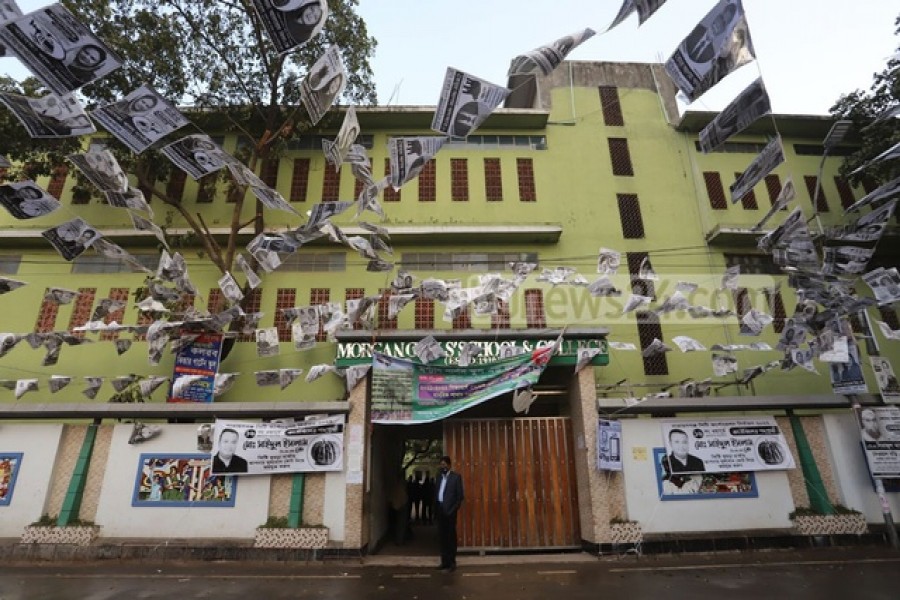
(356, 518)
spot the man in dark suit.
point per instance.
(449, 499)
(679, 460)
(225, 460)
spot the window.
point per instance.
(493, 180)
(390, 194)
(427, 182)
(459, 179)
(844, 191)
(509, 142)
(318, 296)
(120, 294)
(715, 190)
(215, 302)
(753, 264)
(749, 199)
(315, 262)
(175, 186)
(819, 150)
(481, 262)
(9, 263)
(648, 330)
(358, 187)
(773, 186)
(742, 303)
(463, 318)
(889, 316)
(89, 263)
(146, 190)
(612, 109)
(269, 172)
(525, 172)
(424, 313)
(869, 184)
(331, 184)
(46, 320)
(776, 309)
(630, 216)
(621, 157)
(384, 303)
(81, 311)
(314, 142)
(735, 148)
(285, 298)
(251, 304)
(534, 309)
(58, 181)
(641, 287)
(500, 319)
(206, 188)
(300, 180)
(355, 294)
(821, 204)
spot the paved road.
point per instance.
(812, 574)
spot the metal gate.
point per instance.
(519, 482)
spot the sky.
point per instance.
(809, 52)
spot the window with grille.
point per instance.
(285, 298)
(90, 263)
(525, 172)
(463, 318)
(206, 188)
(889, 316)
(384, 303)
(749, 199)
(776, 309)
(773, 187)
(844, 191)
(493, 180)
(215, 302)
(869, 184)
(821, 204)
(46, 319)
(648, 330)
(120, 294)
(424, 313)
(269, 172)
(621, 157)
(319, 296)
(753, 264)
(144, 317)
(57, 181)
(856, 323)
(310, 262)
(481, 262)
(175, 185)
(300, 180)
(251, 304)
(612, 109)
(331, 184)
(390, 194)
(428, 182)
(146, 190)
(81, 311)
(641, 287)
(501, 319)
(630, 216)
(742, 303)
(534, 309)
(358, 187)
(355, 294)
(459, 179)
(715, 190)
(9, 263)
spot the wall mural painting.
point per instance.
(9, 470)
(181, 480)
(701, 486)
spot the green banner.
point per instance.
(408, 393)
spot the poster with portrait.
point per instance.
(291, 23)
(181, 480)
(310, 446)
(885, 284)
(888, 190)
(868, 228)
(49, 116)
(701, 486)
(847, 377)
(26, 200)
(465, 102)
(409, 155)
(725, 445)
(101, 168)
(71, 238)
(325, 81)
(336, 151)
(879, 429)
(546, 58)
(197, 155)
(609, 445)
(887, 380)
(743, 111)
(141, 119)
(10, 462)
(770, 157)
(58, 49)
(719, 44)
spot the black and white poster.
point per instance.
(609, 445)
(409, 155)
(743, 111)
(846, 260)
(722, 445)
(141, 119)
(291, 23)
(310, 446)
(644, 8)
(196, 155)
(49, 116)
(718, 45)
(884, 192)
(9, 11)
(58, 49)
(879, 428)
(26, 200)
(868, 228)
(102, 169)
(770, 157)
(887, 380)
(132, 198)
(885, 284)
(71, 238)
(325, 82)
(847, 377)
(336, 152)
(546, 58)
(465, 102)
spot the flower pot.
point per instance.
(78, 535)
(841, 524)
(627, 533)
(301, 537)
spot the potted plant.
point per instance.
(625, 531)
(46, 531)
(844, 521)
(276, 533)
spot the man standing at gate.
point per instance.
(449, 499)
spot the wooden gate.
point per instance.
(519, 482)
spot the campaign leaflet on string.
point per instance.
(199, 358)
(465, 102)
(291, 23)
(315, 445)
(50, 116)
(326, 81)
(725, 445)
(770, 157)
(609, 445)
(743, 111)
(141, 119)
